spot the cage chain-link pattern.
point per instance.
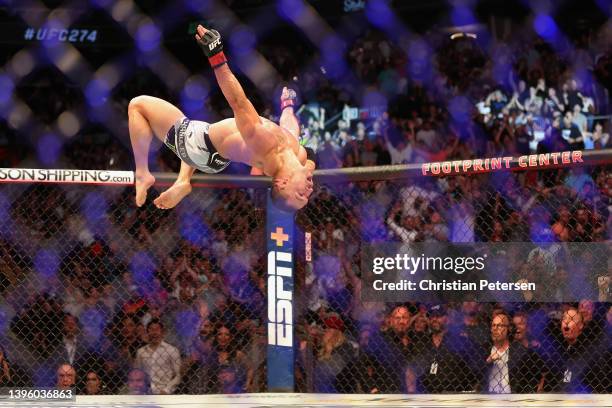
(108, 298)
(349, 345)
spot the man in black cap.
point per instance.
(441, 365)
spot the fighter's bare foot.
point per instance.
(172, 196)
(143, 182)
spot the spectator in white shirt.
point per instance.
(330, 236)
(400, 154)
(427, 134)
(579, 119)
(409, 229)
(511, 368)
(416, 199)
(499, 378)
(160, 360)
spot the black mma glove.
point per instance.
(212, 46)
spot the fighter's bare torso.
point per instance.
(268, 141)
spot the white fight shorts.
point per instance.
(189, 140)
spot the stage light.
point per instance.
(456, 36)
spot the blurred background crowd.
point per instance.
(98, 294)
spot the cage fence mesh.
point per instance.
(352, 344)
(111, 298)
(101, 295)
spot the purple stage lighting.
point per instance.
(546, 27)
(49, 148)
(379, 13)
(462, 16)
(148, 37)
(199, 6)
(94, 207)
(143, 269)
(5, 319)
(92, 322)
(419, 64)
(97, 92)
(193, 95)
(333, 51)
(102, 3)
(6, 89)
(186, 323)
(291, 9)
(605, 6)
(459, 107)
(242, 41)
(46, 263)
(193, 229)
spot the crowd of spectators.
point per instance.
(114, 299)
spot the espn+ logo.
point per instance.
(280, 301)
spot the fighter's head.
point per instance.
(292, 187)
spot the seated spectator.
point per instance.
(334, 353)
(435, 230)
(592, 330)
(127, 340)
(226, 351)
(365, 375)
(198, 378)
(585, 228)
(229, 380)
(5, 369)
(470, 326)
(511, 368)
(401, 152)
(571, 94)
(138, 383)
(439, 359)
(522, 333)
(160, 360)
(579, 119)
(427, 135)
(408, 230)
(72, 348)
(598, 139)
(553, 103)
(66, 377)
(571, 133)
(561, 228)
(572, 360)
(93, 384)
(330, 237)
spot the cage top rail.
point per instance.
(328, 176)
(468, 167)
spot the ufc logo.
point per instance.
(213, 44)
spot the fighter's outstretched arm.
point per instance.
(245, 114)
(288, 119)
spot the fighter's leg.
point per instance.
(181, 187)
(148, 117)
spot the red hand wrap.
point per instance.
(217, 60)
(286, 103)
